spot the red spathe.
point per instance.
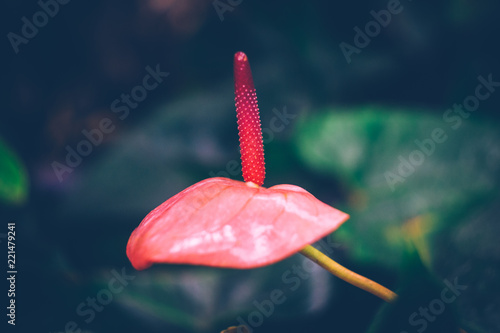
(227, 223)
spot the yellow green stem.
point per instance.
(347, 275)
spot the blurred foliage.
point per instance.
(423, 303)
(13, 177)
(436, 195)
(200, 299)
(366, 147)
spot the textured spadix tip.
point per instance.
(240, 56)
(249, 128)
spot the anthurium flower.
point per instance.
(227, 223)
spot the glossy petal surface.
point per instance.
(227, 223)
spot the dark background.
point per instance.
(73, 233)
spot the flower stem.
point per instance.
(347, 275)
